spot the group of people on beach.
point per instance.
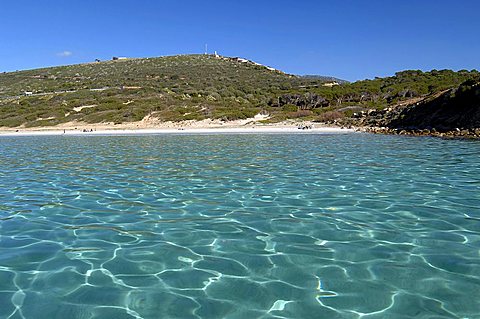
(85, 130)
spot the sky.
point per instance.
(349, 39)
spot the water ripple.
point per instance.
(239, 226)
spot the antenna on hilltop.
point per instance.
(206, 49)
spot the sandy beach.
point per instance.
(185, 127)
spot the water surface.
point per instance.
(239, 226)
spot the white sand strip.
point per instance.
(232, 130)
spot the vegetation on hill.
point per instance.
(325, 78)
(195, 87)
(170, 88)
(383, 92)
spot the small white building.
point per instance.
(27, 93)
(330, 84)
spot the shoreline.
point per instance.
(81, 131)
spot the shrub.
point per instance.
(289, 108)
(299, 114)
(329, 116)
(348, 113)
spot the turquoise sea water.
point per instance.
(239, 226)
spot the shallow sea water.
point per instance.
(239, 226)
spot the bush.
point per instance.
(329, 116)
(348, 113)
(290, 108)
(299, 114)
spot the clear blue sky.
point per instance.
(348, 39)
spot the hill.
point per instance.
(324, 78)
(196, 87)
(340, 102)
(385, 92)
(170, 88)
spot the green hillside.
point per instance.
(195, 87)
(170, 88)
(382, 92)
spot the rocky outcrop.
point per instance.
(454, 110)
(458, 133)
(453, 113)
